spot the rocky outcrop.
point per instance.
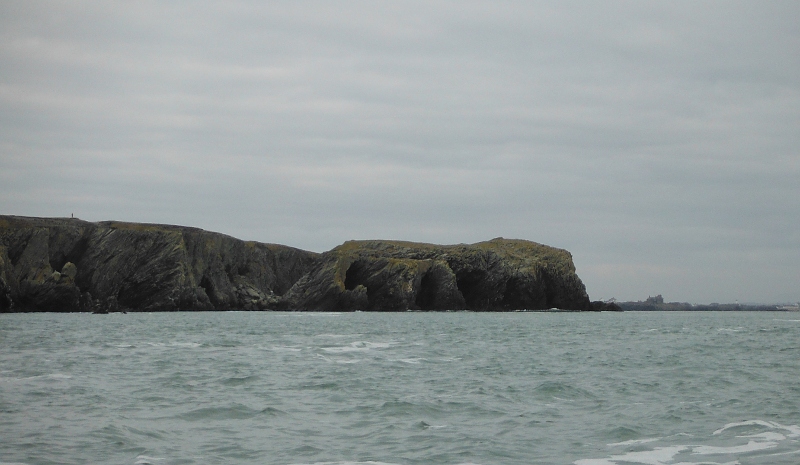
(52, 264)
(496, 275)
(602, 306)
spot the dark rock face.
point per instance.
(52, 264)
(393, 276)
(600, 306)
(72, 265)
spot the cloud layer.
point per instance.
(659, 142)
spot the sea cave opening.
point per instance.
(428, 288)
(514, 295)
(470, 285)
(353, 277)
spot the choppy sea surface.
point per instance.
(400, 388)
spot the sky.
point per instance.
(658, 142)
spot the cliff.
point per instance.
(496, 275)
(51, 264)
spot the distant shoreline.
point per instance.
(687, 307)
(694, 309)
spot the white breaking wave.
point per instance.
(283, 349)
(794, 430)
(633, 442)
(145, 460)
(56, 376)
(185, 345)
(412, 360)
(359, 346)
(774, 437)
(340, 361)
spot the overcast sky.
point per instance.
(659, 142)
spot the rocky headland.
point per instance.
(67, 265)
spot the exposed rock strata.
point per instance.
(51, 264)
(496, 275)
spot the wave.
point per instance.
(239, 380)
(234, 412)
(145, 460)
(181, 345)
(358, 346)
(282, 349)
(347, 463)
(751, 438)
(50, 376)
(634, 442)
(410, 360)
(554, 390)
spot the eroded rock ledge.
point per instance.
(55, 264)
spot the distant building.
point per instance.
(655, 300)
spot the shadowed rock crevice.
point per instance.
(470, 283)
(428, 290)
(514, 294)
(354, 276)
(207, 287)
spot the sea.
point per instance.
(400, 388)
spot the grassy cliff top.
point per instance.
(518, 250)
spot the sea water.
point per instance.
(400, 388)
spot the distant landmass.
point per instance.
(657, 304)
(70, 265)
